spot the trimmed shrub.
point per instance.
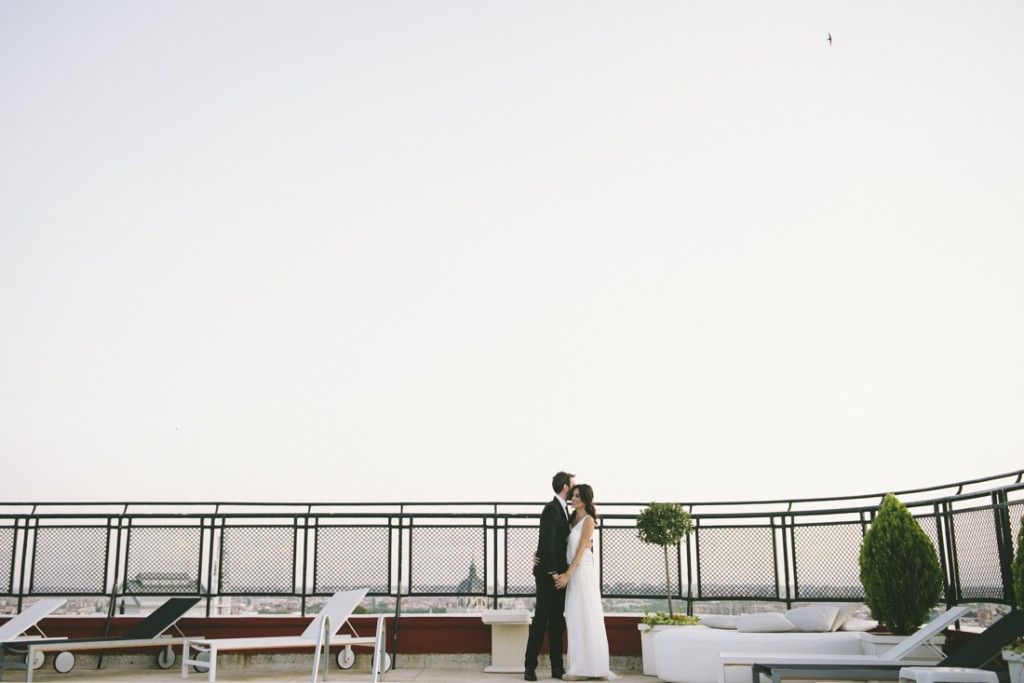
(664, 524)
(899, 569)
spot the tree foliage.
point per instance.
(664, 524)
(899, 568)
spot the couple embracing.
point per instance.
(568, 585)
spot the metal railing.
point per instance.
(793, 550)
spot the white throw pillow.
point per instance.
(813, 618)
(855, 624)
(763, 622)
(719, 621)
(846, 610)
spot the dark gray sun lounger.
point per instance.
(146, 633)
(974, 654)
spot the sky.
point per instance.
(437, 251)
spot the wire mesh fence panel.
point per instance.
(520, 545)
(349, 557)
(630, 567)
(257, 560)
(447, 560)
(70, 560)
(826, 561)
(463, 552)
(7, 554)
(736, 562)
(928, 525)
(977, 555)
(162, 560)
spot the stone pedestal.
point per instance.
(510, 629)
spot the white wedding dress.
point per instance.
(584, 616)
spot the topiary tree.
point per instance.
(664, 524)
(1018, 568)
(899, 568)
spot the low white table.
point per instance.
(946, 674)
(510, 630)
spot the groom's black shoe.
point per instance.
(530, 675)
(557, 673)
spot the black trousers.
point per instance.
(548, 615)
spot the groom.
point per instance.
(551, 546)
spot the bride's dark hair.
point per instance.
(587, 496)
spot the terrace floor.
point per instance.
(424, 675)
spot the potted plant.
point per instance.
(662, 524)
(1014, 655)
(899, 569)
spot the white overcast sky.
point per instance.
(439, 250)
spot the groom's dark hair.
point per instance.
(560, 481)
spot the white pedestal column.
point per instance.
(510, 629)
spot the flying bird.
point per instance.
(829, 38)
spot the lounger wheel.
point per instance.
(64, 662)
(201, 668)
(165, 660)
(346, 658)
(37, 660)
(385, 663)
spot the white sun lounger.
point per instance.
(148, 633)
(15, 629)
(18, 626)
(337, 611)
(900, 654)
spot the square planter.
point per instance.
(1015, 662)
(647, 644)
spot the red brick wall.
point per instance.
(434, 634)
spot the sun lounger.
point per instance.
(791, 665)
(16, 629)
(897, 654)
(974, 654)
(146, 633)
(18, 626)
(336, 612)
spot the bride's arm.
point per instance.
(585, 536)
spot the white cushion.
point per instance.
(855, 624)
(763, 622)
(813, 618)
(846, 611)
(719, 621)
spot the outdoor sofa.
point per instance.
(698, 654)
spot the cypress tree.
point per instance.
(899, 569)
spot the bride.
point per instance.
(584, 617)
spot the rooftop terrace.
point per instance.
(264, 568)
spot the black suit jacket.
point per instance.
(553, 540)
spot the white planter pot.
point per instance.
(647, 645)
(1015, 662)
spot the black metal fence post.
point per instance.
(398, 587)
